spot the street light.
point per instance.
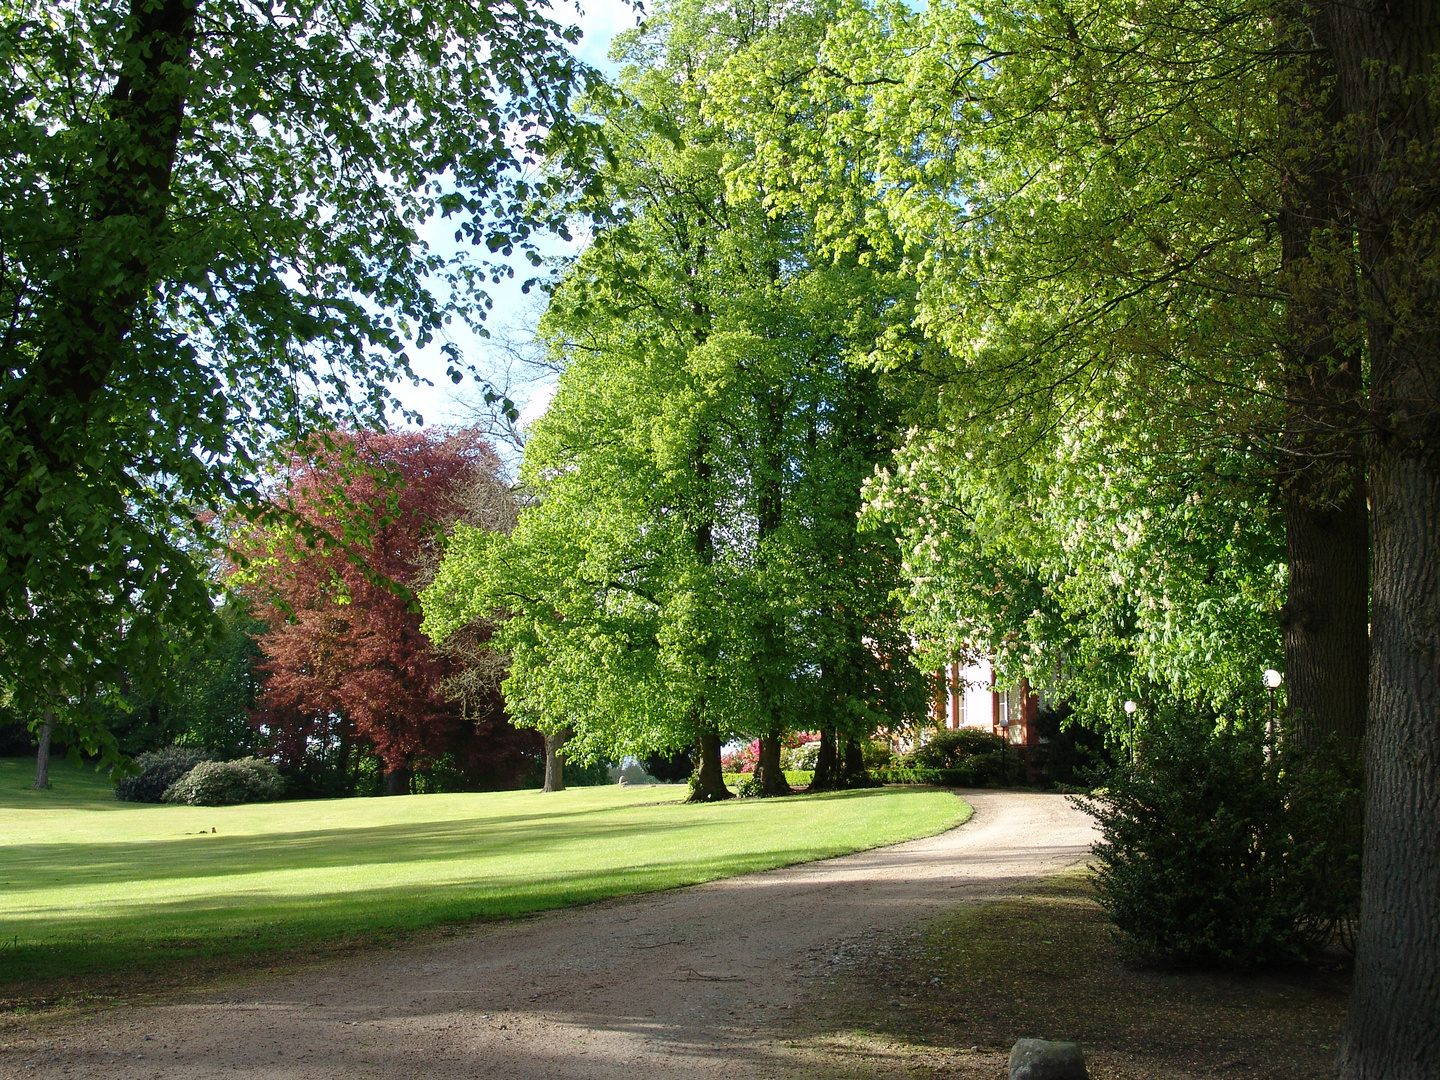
(1130, 708)
(1272, 679)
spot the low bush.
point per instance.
(158, 770)
(227, 783)
(800, 758)
(1217, 851)
(747, 787)
(964, 757)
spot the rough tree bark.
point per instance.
(1384, 61)
(554, 763)
(709, 783)
(42, 756)
(827, 763)
(769, 776)
(852, 768)
(709, 779)
(769, 511)
(1325, 620)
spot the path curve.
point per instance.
(681, 984)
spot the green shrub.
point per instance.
(964, 757)
(876, 752)
(747, 787)
(946, 749)
(1214, 851)
(158, 770)
(227, 783)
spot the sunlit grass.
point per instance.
(89, 884)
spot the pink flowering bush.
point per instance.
(742, 760)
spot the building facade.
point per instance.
(967, 697)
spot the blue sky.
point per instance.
(514, 312)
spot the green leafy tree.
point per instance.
(1222, 216)
(215, 238)
(206, 696)
(691, 568)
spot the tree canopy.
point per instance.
(219, 234)
(345, 667)
(691, 567)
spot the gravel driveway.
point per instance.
(692, 983)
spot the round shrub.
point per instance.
(158, 770)
(227, 783)
(1217, 850)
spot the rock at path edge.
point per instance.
(1040, 1059)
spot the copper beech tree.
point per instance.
(345, 666)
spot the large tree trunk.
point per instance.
(827, 763)
(42, 756)
(769, 776)
(1384, 61)
(397, 781)
(1326, 618)
(709, 783)
(1393, 1028)
(554, 763)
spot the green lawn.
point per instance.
(92, 885)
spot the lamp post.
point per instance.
(1130, 708)
(1273, 679)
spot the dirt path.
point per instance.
(691, 983)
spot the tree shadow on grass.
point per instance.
(481, 869)
(1046, 965)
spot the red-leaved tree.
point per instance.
(345, 664)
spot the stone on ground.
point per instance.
(1039, 1059)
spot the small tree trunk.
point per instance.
(768, 774)
(397, 781)
(709, 780)
(827, 763)
(42, 756)
(554, 763)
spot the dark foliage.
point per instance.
(1216, 850)
(15, 740)
(670, 768)
(1068, 753)
(158, 770)
(209, 688)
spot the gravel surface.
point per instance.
(690, 983)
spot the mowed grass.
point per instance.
(91, 885)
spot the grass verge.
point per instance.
(91, 886)
(952, 999)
